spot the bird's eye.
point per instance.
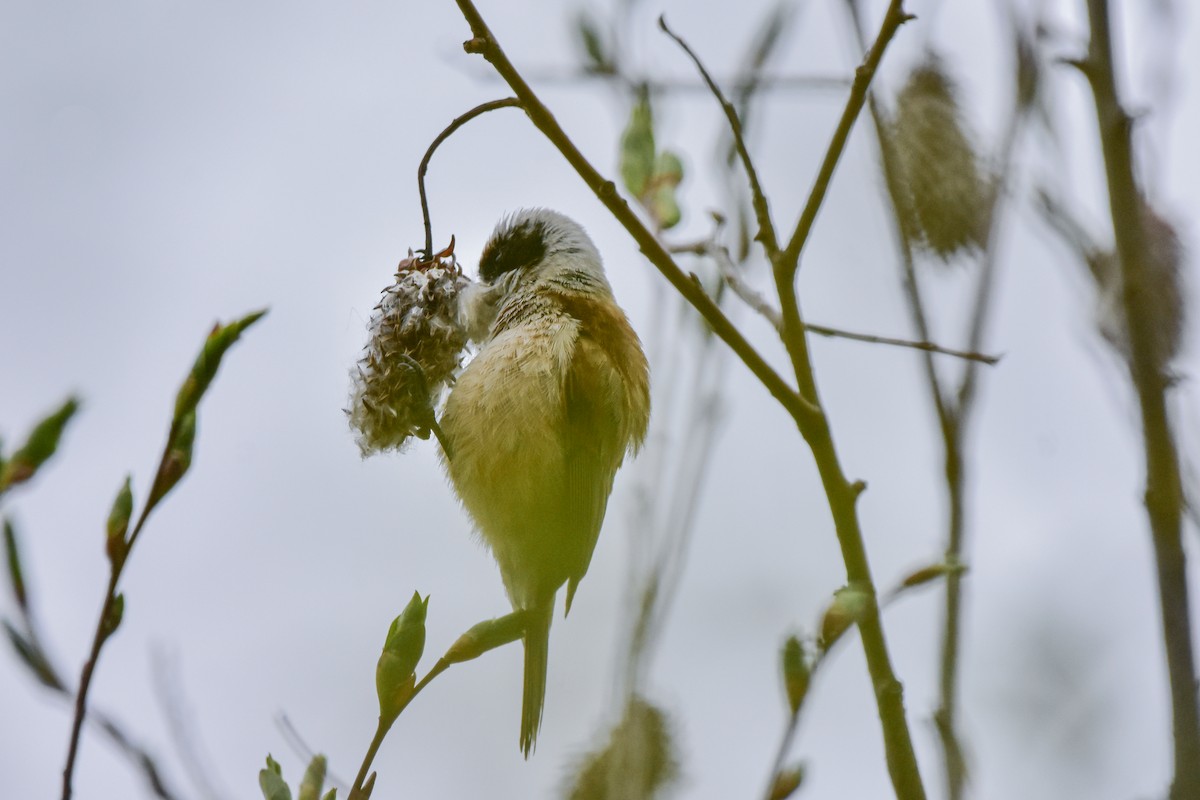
(511, 249)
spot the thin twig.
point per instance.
(892, 20)
(928, 347)
(549, 76)
(760, 304)
(762, 211)
(842, 494)
(99, 637)
(385, 725)
(458, 122)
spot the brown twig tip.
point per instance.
(766, 229)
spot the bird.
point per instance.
(539, 421)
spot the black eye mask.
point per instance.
(511, 249)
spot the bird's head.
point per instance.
(531, 246)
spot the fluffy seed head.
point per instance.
(1159, 281)
(415, 347)
(943, 197)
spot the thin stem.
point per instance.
(99, 637)
(458, 122)
(927, 347)
(1164, 493)
(948, 422)
(892, 20)
(762, 211)
(751, 297)
(551, 76)
(385, 725)
(955, 430)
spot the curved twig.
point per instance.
(458, 122)
(766, 230)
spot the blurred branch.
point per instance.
(760, 304)
(762, 212)
(1164, 494)
(457, 123)
(26, 640)
(952, 411)
(548, 76)
(174, 464)
(182, 728)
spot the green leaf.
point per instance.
(204, 369)
(787, 782)
(487, 635)
(395, 672)
(592, 41)
(118, 523)
(16, 575)
(796, 672)
(39, 447)
(637, 148)
(176, 460)
(271, 782)
(331, 795)
(112, 620)
(32, 656)
(668, 168)
(664, 207)
(850, 605)
(314, 780)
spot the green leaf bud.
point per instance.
(395, 672)
(796, 672)
(39, 447)
(270, 780)
(637, 148)
(485, 636)
(850, 606)
(787, 782)
(118, 524)
(313, 781)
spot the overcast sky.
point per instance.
(165, 163)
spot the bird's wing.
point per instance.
(594, 449)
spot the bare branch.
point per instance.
(766, 230)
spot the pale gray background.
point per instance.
(164, 164)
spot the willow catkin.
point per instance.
(943, 206)
(414, 349)
(1158, 280)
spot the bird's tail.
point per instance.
(537, 649)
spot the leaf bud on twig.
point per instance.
(796, 672)
(395, 672)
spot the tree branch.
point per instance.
(1164, 493)
(484, 43)
(762, 211)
